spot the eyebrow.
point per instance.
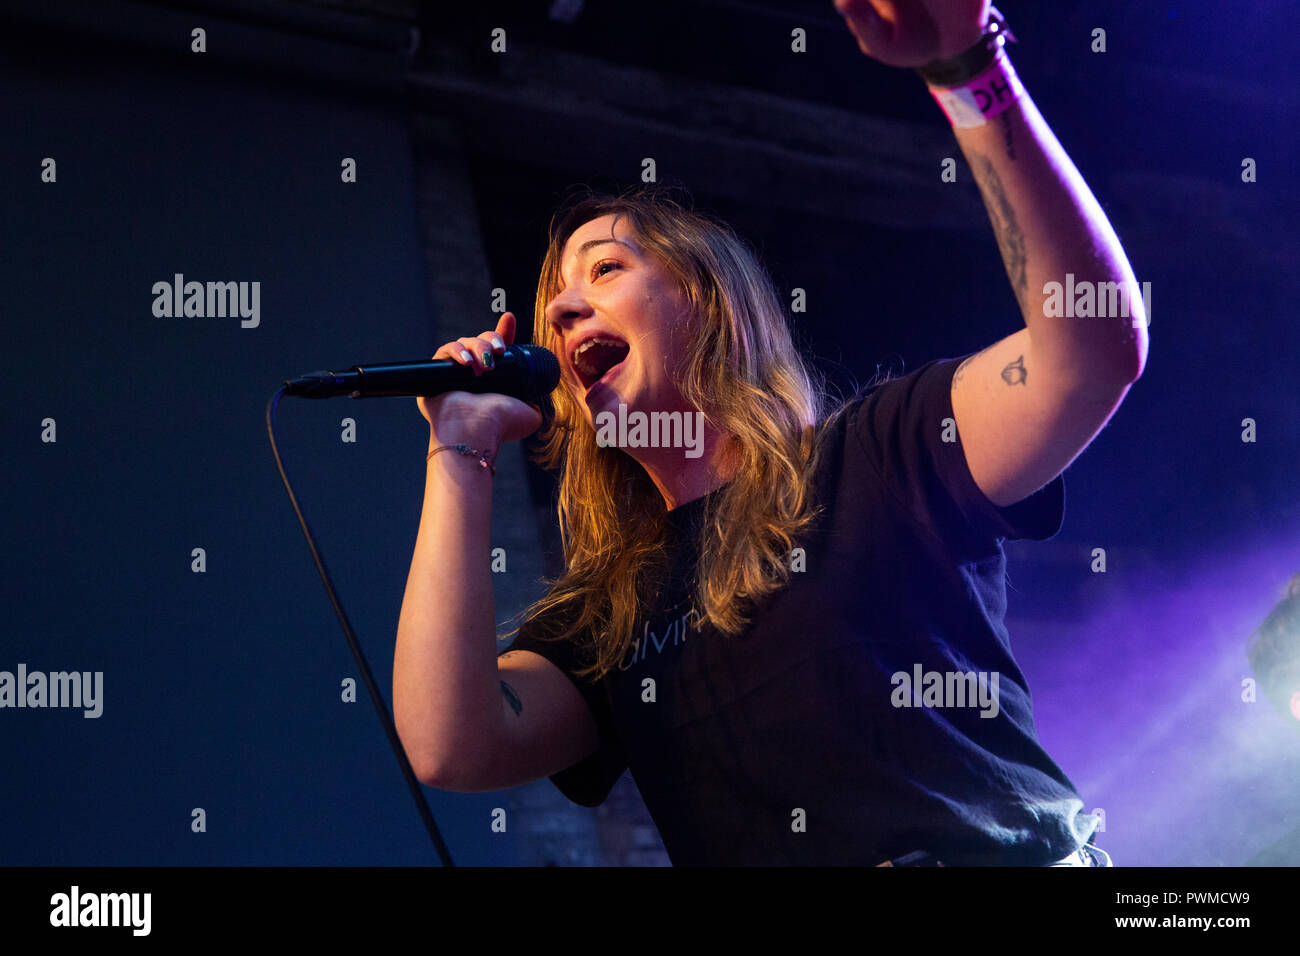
(582, 249)
(591, 243)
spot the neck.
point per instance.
(682, 480)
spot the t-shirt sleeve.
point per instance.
(901, 427)
(587, 782)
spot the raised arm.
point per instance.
(1028, 404)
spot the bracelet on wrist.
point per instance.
(463, 449)
(961, 69)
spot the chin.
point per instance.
(603, 399)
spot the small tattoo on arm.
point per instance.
(512, 698)
(1015, 373)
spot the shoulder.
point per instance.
(903, 426)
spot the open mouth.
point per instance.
(596, 357)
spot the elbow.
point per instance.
(439, 754)
(450, 776)
(427, 765)
(1136, 358)
(456, 770)
(418, 739)
(440, 771)
(427, 771)
(1138, 342)
(433, 772)
(1103, 361)
(1129, 367)
(1120, 367)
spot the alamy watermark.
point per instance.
(76, 908)
(208, 300)
(923, 688)
(651, 430)
(82, 689)
(1086, 300)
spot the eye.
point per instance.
(595, 270)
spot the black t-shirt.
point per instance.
(790, 744)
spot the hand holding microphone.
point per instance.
(485, 382)
(486, 418)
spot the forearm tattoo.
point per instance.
(512, 698)
(1011, 241)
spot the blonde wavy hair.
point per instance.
(744, 373)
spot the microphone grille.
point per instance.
(543, 367)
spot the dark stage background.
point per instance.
(222, 690)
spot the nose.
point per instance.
(565, 309)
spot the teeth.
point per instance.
(586, 346)
(595, 341)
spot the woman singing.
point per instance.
(784, 614)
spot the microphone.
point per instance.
(526, 372)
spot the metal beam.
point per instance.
(563, 110)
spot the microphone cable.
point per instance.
(385, 718)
